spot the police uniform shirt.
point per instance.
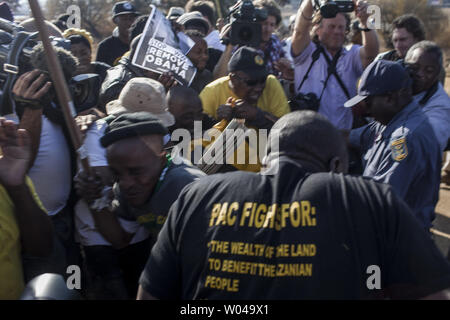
(244, 235)
(406, 155)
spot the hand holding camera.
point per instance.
(362, 12)
(245, 27)
(329, 8)
(31, 87)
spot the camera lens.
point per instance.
(245, 34)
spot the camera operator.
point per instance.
(332, 81)
(270, 47)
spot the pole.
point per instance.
(59, 81)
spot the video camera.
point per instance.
(245, 23)
(329, 9)
(16, 49)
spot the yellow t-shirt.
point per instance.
(272, 99)
(11, 275)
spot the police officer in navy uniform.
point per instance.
(399, 147)
(294, 231)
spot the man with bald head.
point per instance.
(186, 107)
(272, 235)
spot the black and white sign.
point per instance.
(161, 50)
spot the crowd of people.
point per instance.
(348, 179)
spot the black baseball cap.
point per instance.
(381, 77)
(248, 60)
(130, 125)
(124, 7)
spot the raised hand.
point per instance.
(15, 153)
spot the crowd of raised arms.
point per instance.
(332, 169)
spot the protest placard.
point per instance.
(161, 50)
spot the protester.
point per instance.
(81, 43)
(314, 53)
(399, 147)
(186, 106)
(112, 48)
(208, 11)
(198, 55)
(113, 272)
(249, 81)
(25, 226)
(195, 21)
(146, 183)
(118, 76)
(271, 236)
(249, 93)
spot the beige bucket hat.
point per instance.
(143, 94)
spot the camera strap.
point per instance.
(332, 71)
(315, 56)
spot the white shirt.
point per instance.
(437, 110)
(51, 171)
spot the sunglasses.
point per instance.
(252, 82)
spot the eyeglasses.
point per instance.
(251, 82)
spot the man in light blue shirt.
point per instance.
(399, 147)
(424, 59)
(330, 34)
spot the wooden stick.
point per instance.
(59, 81)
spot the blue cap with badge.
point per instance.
(381, 77)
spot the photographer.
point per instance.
(268, 15)
(323, 67)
